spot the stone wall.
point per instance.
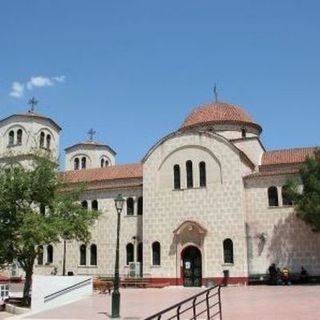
(288, 241)
(219, 207)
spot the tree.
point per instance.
(307, 200)
(37, 209)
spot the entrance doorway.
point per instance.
(192, 267)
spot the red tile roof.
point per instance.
(217, 112)
(297, 155)
(124, 171)
(275, 171)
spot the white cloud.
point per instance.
(59, 78)
(17, 89)
(39, 82)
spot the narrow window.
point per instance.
(130, 205)
(243, 133)
(19, 137)
(140, 252)
(273, 197)
(129, 250)
(83, 163)
(202, 174)
(286, 199)
(76, 164)
(176, 177)
(48, 141)
(228, 251)
(93, 255)
(106, 163)
(94, 205)
(83, 255)
(40, 255)
(102, 163)
(140, 206)
(84, 204)
(156, 254)
(11, 138)
(42, 135)
(49, 253)
(189, 174)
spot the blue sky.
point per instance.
(133, 70)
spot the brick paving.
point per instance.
(241, 303)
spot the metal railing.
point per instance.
(59, 293)
(204, 305)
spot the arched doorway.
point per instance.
(192, 267)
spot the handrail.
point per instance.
(56, 294)
(195, 302)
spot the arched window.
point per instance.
(48, 141)
(11, 138)
(83, 162)
(94, 205)
(189, 174)
(286, 199)
(76, 164)
(42, 135)
(140, 206)
(176, 177)
(40, 255)
(202, 174)
(84, 204)
(273, 196)
(49, 253)
(104, 163)
(129, 250)
(93, 255)
(19, 137)
(156, 253)
(83, 255)
(228, 251)
(130, 205)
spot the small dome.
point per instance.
(218, 113)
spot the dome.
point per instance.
(218, 113)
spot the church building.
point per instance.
(205, 202)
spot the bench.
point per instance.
(294, 278)
(134, 282)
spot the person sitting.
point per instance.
(304, 275)
(273, 274)
(285, 276)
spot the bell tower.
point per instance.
(26, 134)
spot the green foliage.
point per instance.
(36, 209)
(307, 200)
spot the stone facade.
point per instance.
(231, 205)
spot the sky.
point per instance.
(133, 70)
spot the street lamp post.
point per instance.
(118, 201)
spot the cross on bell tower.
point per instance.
(91, 134)
(215, 91)
(32, 103)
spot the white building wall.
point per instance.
(219, 207)
(289, 242)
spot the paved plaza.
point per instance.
(240, 303)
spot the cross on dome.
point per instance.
(32, 103)
(91, 134)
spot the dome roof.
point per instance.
(218, 112)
